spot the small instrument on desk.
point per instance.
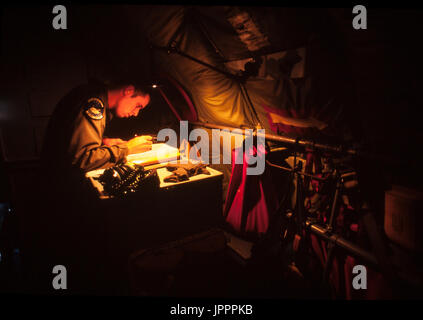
(128, 178)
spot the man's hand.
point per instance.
(139, 144)
(112, 142)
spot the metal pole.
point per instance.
(172, 49)
(297, 171)
(278, 138)
(387, 159)
(342, 243)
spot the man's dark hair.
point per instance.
(141, 87)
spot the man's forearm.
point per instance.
(100, 157)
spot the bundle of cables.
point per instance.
(127, 178)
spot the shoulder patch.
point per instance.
(94, 108)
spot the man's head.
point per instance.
(127, 100)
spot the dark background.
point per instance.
(38, 65)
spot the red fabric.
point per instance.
(317, 249)
(340, 274)
(335, 276)
(283, 128)
(170, 104)
(251, 199)
(313, 166)
(341, 271)
(377, 286)
(181, 111)
(323, 114)
(189, 114)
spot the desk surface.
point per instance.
(162, 173)
(150, 160)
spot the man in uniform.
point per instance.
(74, 139)
(72, 228)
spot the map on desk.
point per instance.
(160, 152)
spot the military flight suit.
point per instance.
(74, 136)
(71, 225)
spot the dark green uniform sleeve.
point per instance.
(86, 149)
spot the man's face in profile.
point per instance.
(129, 104)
